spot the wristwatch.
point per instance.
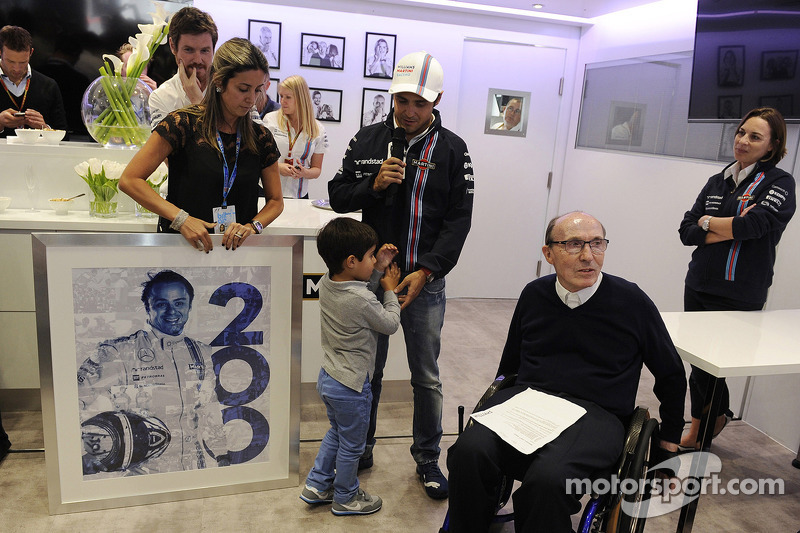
(706, 222)
(257, 226)
(428, 274)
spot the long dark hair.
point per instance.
(232, 57)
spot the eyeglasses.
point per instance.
(575, 246)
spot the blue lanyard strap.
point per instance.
(229, 177)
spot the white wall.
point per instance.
(641, 199)
(428, 32)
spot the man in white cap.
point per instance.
(412, 179)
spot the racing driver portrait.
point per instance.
(147, 400)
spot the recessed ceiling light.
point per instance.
(538, 6)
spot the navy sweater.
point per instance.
(595, 351)
(740, 269)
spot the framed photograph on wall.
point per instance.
(272, 91)
(625, 123)
(730, 66)
(726, 142)
(778, 65)
(321, 51)
(507, 112)
(783, 103)
(375, 106)
(327, 104)
(379, 55)
(154, 360)
(729, 106)
(266, 36)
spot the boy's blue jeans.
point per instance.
(337, 460)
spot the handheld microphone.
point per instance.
(398, 150)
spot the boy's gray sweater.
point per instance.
(351, 319)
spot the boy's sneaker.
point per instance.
(312, 496)
(434, 481)
(362, 503)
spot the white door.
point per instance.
(511, 173)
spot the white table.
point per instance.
(728, 344)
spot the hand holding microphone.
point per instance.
(398, 150)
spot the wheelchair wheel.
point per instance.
(635, 450)
(639, 470)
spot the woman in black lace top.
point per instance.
(217, 157)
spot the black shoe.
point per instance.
(433, 480)
(365, 461)
(4, 447)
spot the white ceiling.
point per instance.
(572, 8)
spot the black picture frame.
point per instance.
(273, 89)
(370, 111)
(730, 66)
(328, 108)
(255, 30)
(316, 51)
(782, 102)
(778, 65)
(383, 67)
(729, 106)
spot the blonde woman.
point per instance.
(301, 138)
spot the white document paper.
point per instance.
(530, 419)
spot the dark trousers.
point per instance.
(699, 379)
(479, 460)
(4, 442)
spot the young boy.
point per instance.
(352, 317)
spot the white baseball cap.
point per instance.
(419, 73)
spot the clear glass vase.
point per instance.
(115, 111)
(103, 208)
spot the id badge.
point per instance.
(224, 217)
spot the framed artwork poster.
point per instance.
(379, 55)
(327, 104)
(321, 51)
(375, 106)
(625, 124)
(730, 66)
(778, 65)
(507, 112)
(266, 36)
(165, 377)
(729, 106)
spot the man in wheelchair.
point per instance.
(581, 335)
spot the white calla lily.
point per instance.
(115, 61)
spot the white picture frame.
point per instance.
(267, 269)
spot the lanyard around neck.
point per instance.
(24, 95)
(289, 135)
(228, 177)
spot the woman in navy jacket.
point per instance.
(735, 225)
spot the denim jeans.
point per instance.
(337, 460)
(422, 323)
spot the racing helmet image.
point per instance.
(121, 440)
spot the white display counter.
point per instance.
(53, 167)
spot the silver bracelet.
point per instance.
(179, 220)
